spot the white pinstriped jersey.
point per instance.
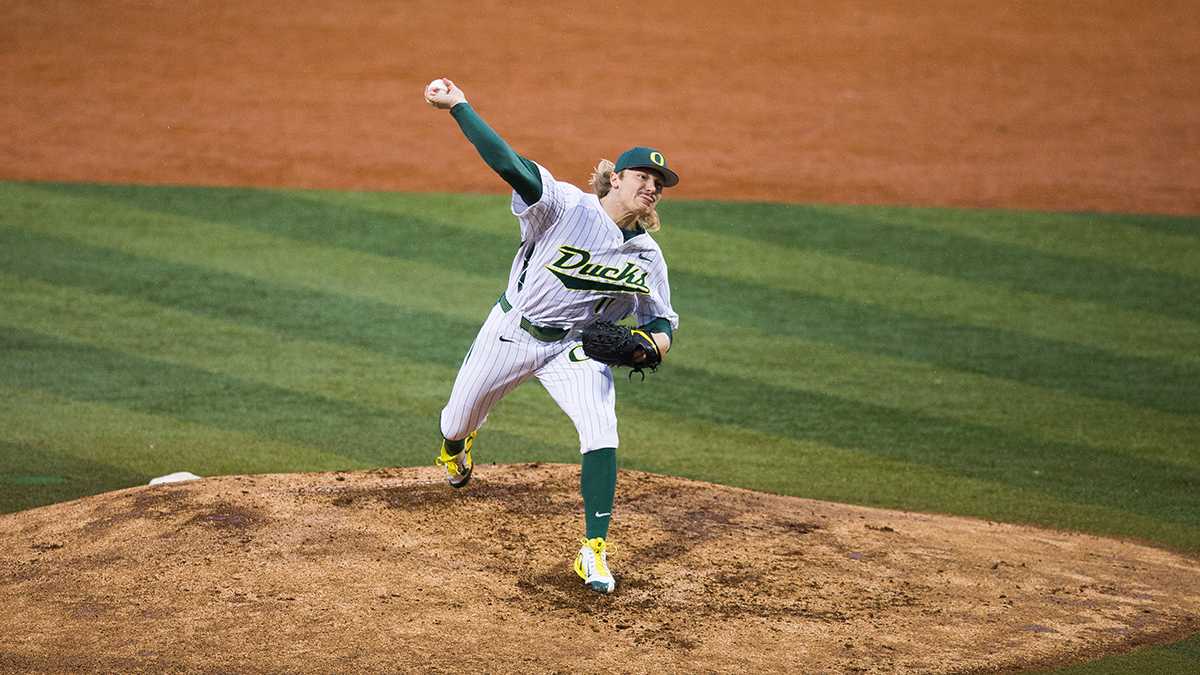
(574, 266)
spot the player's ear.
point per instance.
(614, 179)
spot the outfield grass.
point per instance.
(1023, 367)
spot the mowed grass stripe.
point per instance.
(1160, 384)
(418, 286)
(731, 454)
(424, 289)
(84, 372)
(384, 411)
(254, 323)
(310, 320)
(136, 327)
(1104, 238)
(409, 390)
(151, 444)
(1166, 385)
(1012, 407)
(1155, 223)
(1091, 324)
(867, 235)
(479, 242)
(1166, 244)
(391, 330)
(33, 475)
(1074, 472)
(856, 234)
(301, 311)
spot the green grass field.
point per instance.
(1023, 367)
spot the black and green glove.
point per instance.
(618, 345)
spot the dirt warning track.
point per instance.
(946, 102)
(391, 570)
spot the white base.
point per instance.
(177, 477)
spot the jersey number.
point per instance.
(602, 304)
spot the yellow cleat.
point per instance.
(458, 467)
(592, 566)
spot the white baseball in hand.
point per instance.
(443, 94)
(436, 90)
(436, 87)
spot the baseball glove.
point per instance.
(618, 345)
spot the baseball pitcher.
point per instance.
(586, 261)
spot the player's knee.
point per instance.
(455, 428)
(600, 441)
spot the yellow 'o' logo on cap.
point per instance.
(658, 159)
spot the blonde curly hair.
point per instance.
(601, 183)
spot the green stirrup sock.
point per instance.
(598, 483)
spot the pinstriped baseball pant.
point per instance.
(504, 355)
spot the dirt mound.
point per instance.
(391, 570)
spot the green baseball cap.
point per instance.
(641, 157)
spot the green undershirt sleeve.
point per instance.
(520, 173)
(659, 325)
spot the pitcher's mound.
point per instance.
(392, 570)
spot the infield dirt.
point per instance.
(392, 570)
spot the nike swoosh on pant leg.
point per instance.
(603, 515)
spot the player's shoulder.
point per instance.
(645, 245)
(563, 191)
(645, 241)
